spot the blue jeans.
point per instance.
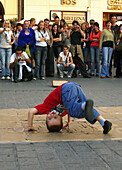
(85, 55)
(5, 54)
(95, 52)
(73, 98)
(40, 58)
(62, 68)
(107, 53)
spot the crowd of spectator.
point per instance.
(30, 51)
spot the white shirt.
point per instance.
(13, 56)
(64, 57)
(40, 34)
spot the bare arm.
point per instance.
(69, 122)
(31, 114)
(13, 40)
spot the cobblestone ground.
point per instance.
(104, 92)
(62, 155)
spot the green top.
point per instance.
(106, 35)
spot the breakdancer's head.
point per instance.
(54, 122)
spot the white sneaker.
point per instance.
(3, 78)
(69, 76)
(8, 78)
(43, 78)
(61, 76)
(34, 78)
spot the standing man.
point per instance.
(115, 29)
(50, 59)
(75, 33)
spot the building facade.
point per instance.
(81, 10)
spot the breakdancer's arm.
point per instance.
(31, 114)
(68, 123)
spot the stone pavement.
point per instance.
(66, 155)
(82, 147)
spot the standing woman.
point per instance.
(6, 48)
(27, 39)
(107, 46)
(56, 40)
(84, 43)
(94, 49)
(40, 51)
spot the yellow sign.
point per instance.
(115, 4)
(68, 2)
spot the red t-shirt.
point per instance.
(52, 100)
(93, 36)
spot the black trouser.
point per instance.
(77, 60)
(118, 64)
(49, 62)
(25, 73)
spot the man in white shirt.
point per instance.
(65, 62)
(18, 64)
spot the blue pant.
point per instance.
(40, 59)
(5, 54)
(85, 55)
(62, 68)
(107, 53)
(95, 52)
(73, 98)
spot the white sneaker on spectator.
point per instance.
(34, 78)
(61, 76)
(8, 78)
(68, 76)
(43, 78)
(3, 78)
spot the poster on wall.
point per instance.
(69, 17)
(115, 4)
(53, 14)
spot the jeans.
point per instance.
(40, 58)
(85, 55)
(56, 51)
(73, 98)
(5, 54)
(107, 53)
(62, 68)
(95, 52)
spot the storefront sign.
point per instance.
(115, 4)
(68, 2)
(69, 17)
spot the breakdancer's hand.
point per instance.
(68, 123)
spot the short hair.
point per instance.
(96, 24)
(46, 19)
(75, 22)
(18, 48)
(56, 17)
(114, 15)
(92, 21)
(55, 128)
(63, 20)
(65, 46)
(32, 19)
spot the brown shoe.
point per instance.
(102, 77)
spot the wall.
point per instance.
(11, 8)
